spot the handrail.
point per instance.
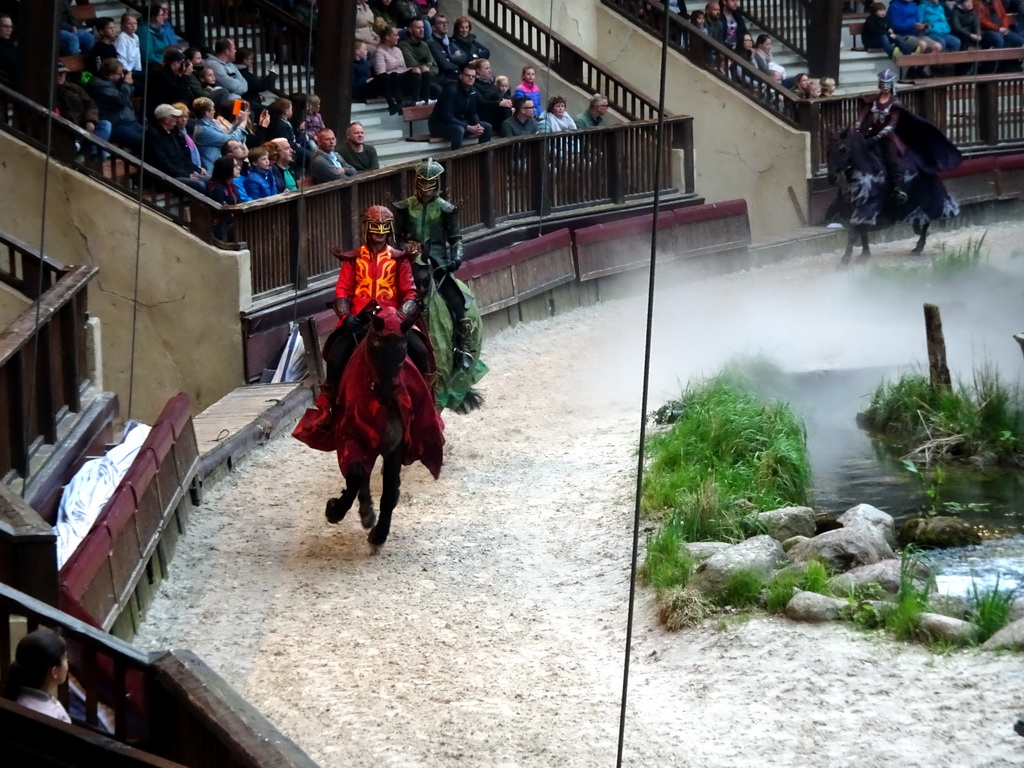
(518, 27)
(21, 264)
(785, 20)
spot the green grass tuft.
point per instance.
(782, 586)
(742, 589)
(667, 563)
(990, 609)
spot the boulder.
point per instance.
(938, 532)
(761, 554)
(785, 523)
(843, 549)
(789, 543)
(702, 550)
(949, 605)
(947, 629)
(1017, 609)
(885, 573)
(867, 516)
(810, 606)
(1010, 637)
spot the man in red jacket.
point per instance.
(996, 31)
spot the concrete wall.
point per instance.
(187, 329)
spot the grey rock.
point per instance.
(885, 573)
(787, 522)
(1010, 637)
(867, 516)
(761, 554)
(946, 628)
(843, 549)
(791, 542)
(1017, 609)
(810, 606)
(702, 550)
(938, 532)
(949, 605)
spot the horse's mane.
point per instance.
(863, 157)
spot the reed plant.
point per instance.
(904, 618)
(742, 589)
(990, 609)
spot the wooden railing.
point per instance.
(174, 707)
(42, 366)
(493, 183)
(544, 45)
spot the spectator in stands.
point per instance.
(528, 87)
(223, 188)
(260, 182)
(256, 85)
(828, 87)
(8, 50)
(493, 107)
(465, 40)
(400, 85)
(127, 45)
(935, 25)
(995, 25)
(455, 115)
(225, 72)
(364, 26)
(281, 155)
(112, 89)
(167, 151)
(167, 83)
(185, 122)
(74, 37)
(503, 88)
(210, 135)
(104, 48)
(77, 106)
(714, 21)
(878, 33)
(153, 39)
(280, 127)
(326, 164)
(593, 116)
(39, 668)
(450, 59)
(801, 85)
(314, 120)
(764, 60)
(408, 10)
(745, 49)
(699, 20)
(419, 58)
(385, 17)
(193, 69)
(965, 24)
(238, 151)
(355, 152)
(903, 19)
(556, 118)
(364, 85)
(208, 87)
(733, 26)
(523, 121)
(170, 33)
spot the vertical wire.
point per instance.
(658, 169)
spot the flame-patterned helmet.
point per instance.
(887, 80)
(378, 220)
(428, 178)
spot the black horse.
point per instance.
(864, 203)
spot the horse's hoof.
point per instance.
(368, 518)
(864, 256)
(334, 512)
(918, 250)
(376, 538)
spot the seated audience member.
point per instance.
(799, 84)
(166, 151)
(828, 87)
(364, 26)
(77, 106)
(153, 40)
(127, 45)
(419, 58)
(208, 87)
(364, 85)
(184, 119)
(733, 24)
(240, 153)
(745, 49)
(528, 87)
(280, 127)
(503, 87)
(965, 24)
(223, 188)
(450, 59)
(698, 20)
(313, 121)
(493, 107)
(167, 82)
(39, 669)
(170, 33)
(764, 61)
(74, 37)
(878, 34)
(399, 84)
(244, 59)
(932, 15)
(522, 122)
(556, 118)
(226, 74)
(326, 165)
(713, 23)
(281, 155)
(260, 182)
(902, 20)
(996, 31)
(193, 69)
(465, 40)
(593, 116)
(455, 115)
(355, 152)
(8, 50)
(112, 89)
(104, 48)
(385, 16)
(210, 135)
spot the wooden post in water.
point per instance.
(937, 369)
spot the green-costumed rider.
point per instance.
(427, 227)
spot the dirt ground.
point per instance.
(491, 629)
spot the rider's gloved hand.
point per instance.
(454, 263)
(353, 324)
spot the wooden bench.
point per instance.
(970, 56)
(415, 113)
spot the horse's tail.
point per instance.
(470, 402)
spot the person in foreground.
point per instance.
(39, 668)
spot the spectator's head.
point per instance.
(763, 43)
(747, 43)
(6, 27)
(40, 661)
(174, 60)
(167, 116)
(969, 5)
(106, 28)
(259, 158)
(355, 134)
(802, 84)
(501, 83)
(814, 89)
(523, 108)
(326, 140)
(878, 9)
(129, 23)
(224, 49)
(244, 57)
(390, 37)
(202, 108)
(467, 76)
(731, 6)
(282, 153)
(828, 84)
(359, 50)
(234, 148)
(156, 15)
(483, 69)
(439, 24)
(598, 105)
(313, 104)
(556, 105)
(529, 74)
(697, 18)
(195, 55)
(61, 72)
(713, 10)
(183, 117)
(112, 70)
(225, 169)
(416, 29)
(280, 108)
(208, 77)
(463, 27)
